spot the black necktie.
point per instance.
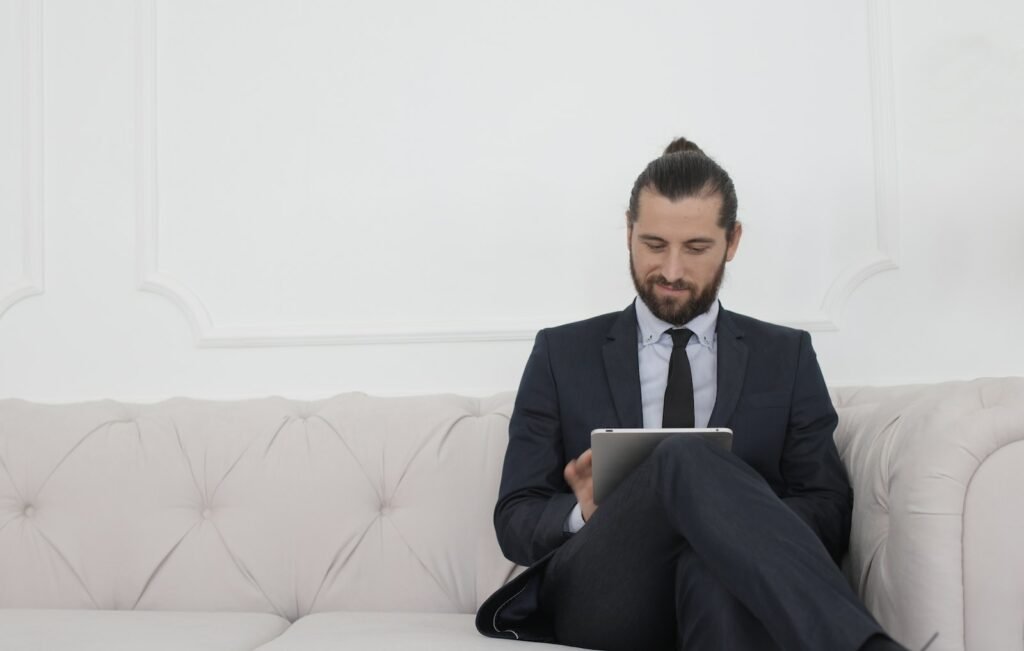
(678, 410)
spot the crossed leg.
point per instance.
(695, 551)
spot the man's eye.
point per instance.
(655, 247)
(698, 249)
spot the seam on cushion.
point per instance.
(352, 454)
(188, 462)
(160, 564)
(138, 435)
(963, 525)
(14, 485)
(863, 583)
(70, 567)
(448, 432)
(305, 436)
(426, 441)
(75, 447)
(245, 570)
(426, 569)
(287, 419)
(241, 455)
(334, 561)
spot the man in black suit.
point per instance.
(698, 548)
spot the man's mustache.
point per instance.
(678, 285)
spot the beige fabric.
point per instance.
(384, 504)
(935, 491)
(276, 506)
(106, 630)
(994, 551)
(393, 632)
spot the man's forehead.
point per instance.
(695, 212)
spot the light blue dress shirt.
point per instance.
(654, 349)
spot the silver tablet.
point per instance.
(618, 451)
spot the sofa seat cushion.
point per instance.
(331, 631)
(135, 630)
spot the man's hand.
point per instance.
(579, 474)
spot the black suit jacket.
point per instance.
(585, 375)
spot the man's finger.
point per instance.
(585, 460)
(571, 473)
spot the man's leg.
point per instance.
(615, 580)
(611, 585)
(710, 617)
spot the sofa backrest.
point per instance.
(268, 505)
(936, 471)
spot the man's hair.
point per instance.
(686, 171)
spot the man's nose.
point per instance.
(673, 267)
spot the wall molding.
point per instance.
(30, 89)
(887, 210)
(207, 332)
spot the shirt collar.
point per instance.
(652, 328)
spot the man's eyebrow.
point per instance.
(690, 242)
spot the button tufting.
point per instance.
(206, 514)
(29, 511)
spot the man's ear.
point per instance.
(732, 241)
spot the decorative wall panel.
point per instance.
(21, 232)
(324, 173)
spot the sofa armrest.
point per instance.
(938, 479)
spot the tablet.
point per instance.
(618, 451)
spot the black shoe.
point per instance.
(886, 643)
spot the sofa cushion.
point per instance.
(139, 630)
(392, 632)
(267, 505)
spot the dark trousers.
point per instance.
(694, 551)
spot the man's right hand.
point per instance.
(579, 474)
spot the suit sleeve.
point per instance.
(817, 486)
(534, 499)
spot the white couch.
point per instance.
(365, 523)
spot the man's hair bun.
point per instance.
(682, 144)
(686, 171)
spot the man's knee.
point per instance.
(683, 450)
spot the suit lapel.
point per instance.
(622, 368)
(732, 366)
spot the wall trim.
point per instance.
(886, 164)
(30, 88)
(208, 333)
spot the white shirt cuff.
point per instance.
(574, 522)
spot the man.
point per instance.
(698, 548)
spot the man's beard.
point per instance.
(671, 311)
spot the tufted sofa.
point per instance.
(365, 523)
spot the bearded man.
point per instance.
(698, 548)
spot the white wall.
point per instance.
(247, 198)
